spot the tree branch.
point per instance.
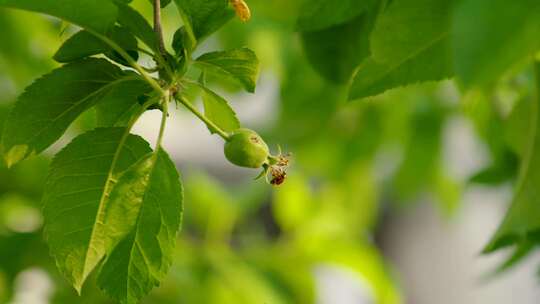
(157, 27)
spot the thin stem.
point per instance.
(130, 60)
(165, 110)
(201, 116)
(157, 26)
(158, 29)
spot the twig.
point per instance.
(157, 27)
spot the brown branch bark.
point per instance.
(157, 27)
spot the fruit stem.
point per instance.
(201, 116)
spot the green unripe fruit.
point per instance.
(246, 148)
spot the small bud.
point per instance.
(242, 9)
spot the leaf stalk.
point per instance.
(165, 115)
(129, 60)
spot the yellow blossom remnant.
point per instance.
(242, 9)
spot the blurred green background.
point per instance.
(372, 211)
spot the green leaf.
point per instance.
(409, 27)
(96, 15)
(84, 44)
(489, 36)
(48, 106)
(335, 52)
(219, 112)
(410, 43)
(181, 41)
(321, 14)
(121, 103)
(76, 194)
(503, 169)
(203, 17)
(132, 20)
(520, 253)
(422, 153)
(517, 125)
(142, 216)
(522, 221)
(241, 64)
(373, 78)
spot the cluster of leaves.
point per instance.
(379, 45)
(111, 203)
